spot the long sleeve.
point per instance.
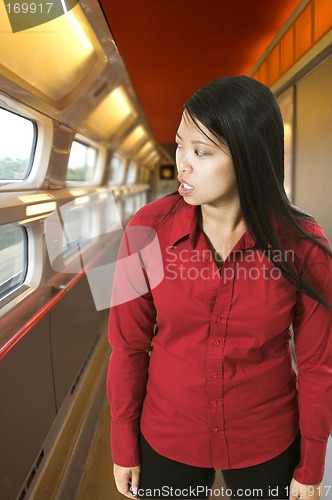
(313, 347)
(131, 323)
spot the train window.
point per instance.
(116, 170)
(77, 227)
(111, 214)
(13, 258)
(82, 162)
(129, 206)
(143, 199)
(131, 173)
(16, 156)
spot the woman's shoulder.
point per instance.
(315, 233)
(304, 226)
(156, 211)
(312, 227)
(312, 245)
(304, 238)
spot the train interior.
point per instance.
(91, 94)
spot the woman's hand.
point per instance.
(127, 480)
(304, 491)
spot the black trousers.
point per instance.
(164, 478)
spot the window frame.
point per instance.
(16, 290)
(100, 162)
(32, 147)
(123, 165)
(34, 269)
(43, 144)
(131, 167)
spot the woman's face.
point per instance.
(206, 171)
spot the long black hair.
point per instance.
(244, 115)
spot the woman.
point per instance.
(201, 376)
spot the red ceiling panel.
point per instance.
(173, 47)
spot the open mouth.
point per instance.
(186, 186)
(185, 189)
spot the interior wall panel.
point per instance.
(75, 326)
(313, 155)
(27, 407)
(313, 172)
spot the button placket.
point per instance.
(216, 345)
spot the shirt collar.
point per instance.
(186, 226)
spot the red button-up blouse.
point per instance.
(201, 357)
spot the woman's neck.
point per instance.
(227, 219)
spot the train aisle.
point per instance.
(79, 449)
(97, 481)
(79, 464)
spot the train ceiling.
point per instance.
(173, 47)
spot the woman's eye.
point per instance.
(201, 154)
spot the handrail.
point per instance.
(39, 315)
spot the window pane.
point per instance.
(77, 227)
(131, 173)
(116, 171)
(82, 162)
(16, 145)
(13, 258)
(129, 206)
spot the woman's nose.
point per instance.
(182, 169)
(184, 165)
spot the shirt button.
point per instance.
(214, 402)
(219, 319)
(214, 374)
(216, 342)
(216, 429)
